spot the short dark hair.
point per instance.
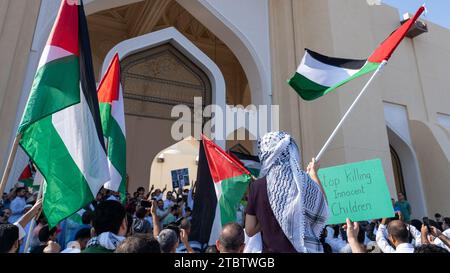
(399, 231)
(84, 233)
(141, 212)
(437, 215)
(232, 237)
(185, 224)
(447, 221)
(45, 233)
(167, 239)
(140, 189)
(86, 218)
(19, 189)
(138, 245)
(108, 217)
(9, 234)
(430, 248)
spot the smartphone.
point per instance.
(426, 222)
(146, 204)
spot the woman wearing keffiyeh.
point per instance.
(287, 205)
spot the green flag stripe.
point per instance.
(233, 190)
(310, 90)
(116, 144)
(40, 141)
(51, 91)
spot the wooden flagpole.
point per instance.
(9, 163)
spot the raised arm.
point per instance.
(312, 170)
(155, 219)
(26, 218)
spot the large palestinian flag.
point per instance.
(60, 129)
(110, 97)
(222, 182)
(318, 75)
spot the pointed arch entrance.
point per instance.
(160, 70)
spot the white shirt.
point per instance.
(384, 245)
(439, 242)
(17, 206)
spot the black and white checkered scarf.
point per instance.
(296, 200)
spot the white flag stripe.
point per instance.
(51, 53)
(115, 178)
(117, 111)
(321, 73)
(75, 125)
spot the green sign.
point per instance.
(357, 191)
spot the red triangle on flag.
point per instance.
(385, 50)
(221, 165)
(65, 30)
(108, 90)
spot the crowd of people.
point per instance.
(284, 211)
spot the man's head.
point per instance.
(186, 225)
(138, 245)
(6, 214)
(188, 211)
(141, 190)
(161, 204)
(110, 216)
(86, 218)
(398, 232)
(430, 248)
(401, 196)
(437, 217)
(231, 239)
(21, 192)
(169, 195)
(168, 240)
(46, 234)
(157, 192)
(9, 238)
(141, 213)
(82, 237)
(446, 223)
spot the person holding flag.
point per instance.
(287, 205)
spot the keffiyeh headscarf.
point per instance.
(296, 200)
(107, 240)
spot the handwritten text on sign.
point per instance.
(357, 191)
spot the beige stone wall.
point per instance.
(415, 77)
(17, 21)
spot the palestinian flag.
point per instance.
(61, 130)
(250, 162)
(27, 175)
(222, 182)
(110, 97)
(318, 75)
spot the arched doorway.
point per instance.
(407, 173)
(398, 173)
(160, 70)
(154, 81)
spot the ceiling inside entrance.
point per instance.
(109, 27)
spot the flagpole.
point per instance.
(9, 163)
(33, 223)
(327, 143)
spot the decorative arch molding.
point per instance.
(411, 171)
(258, 78)
(185, 46)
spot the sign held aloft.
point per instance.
(357, 191)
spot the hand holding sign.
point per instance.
(357, 191)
